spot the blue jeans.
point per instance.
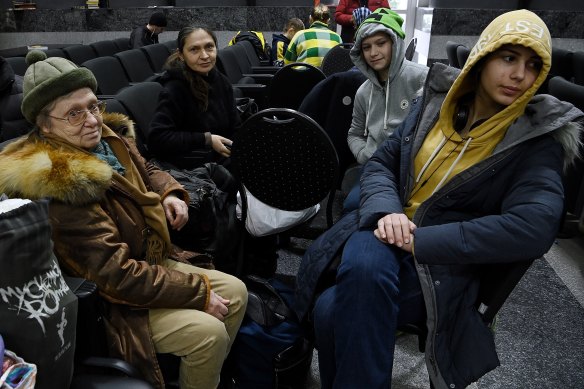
(355, 321)
(353, 199)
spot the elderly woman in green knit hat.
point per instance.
(110, 213)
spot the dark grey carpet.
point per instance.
(539, 337)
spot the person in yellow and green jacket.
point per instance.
(311, 45)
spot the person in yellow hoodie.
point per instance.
(472, 177)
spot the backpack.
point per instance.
(272, 349)
(212, 227)
(257, 39)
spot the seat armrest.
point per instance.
(264, 79)
(265, 69)
(112, 364)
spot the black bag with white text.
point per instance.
(38, 311)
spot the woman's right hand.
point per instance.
(217, 306)
(218, 144)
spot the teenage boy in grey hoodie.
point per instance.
(383, 101)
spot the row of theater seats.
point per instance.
(77, 53)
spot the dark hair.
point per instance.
(198, 86)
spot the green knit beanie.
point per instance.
(46, 79)
(388, 18)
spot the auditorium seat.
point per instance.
(55, 53)
(157, 55)
(109, 73)
(18, 65)
(135, 64)
(122, 43)
(105, 47)
(79, 53)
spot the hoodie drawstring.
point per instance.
(366, 132)
(386, 100)
(453, 165)
(450, 169)
(367, 113)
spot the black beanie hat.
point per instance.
(158, 19)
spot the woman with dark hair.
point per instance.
(196, 113)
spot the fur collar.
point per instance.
(53, 170)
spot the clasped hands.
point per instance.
(396, 229)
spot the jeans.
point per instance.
(353, 199)
(355, 321)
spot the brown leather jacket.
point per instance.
(100, 233)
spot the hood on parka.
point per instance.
(63, 174)
(520, 27)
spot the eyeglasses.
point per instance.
(77, 117)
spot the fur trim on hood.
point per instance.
(63, 173)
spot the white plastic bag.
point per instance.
(264, 220)
(16, 373)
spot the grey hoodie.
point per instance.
(379, 109)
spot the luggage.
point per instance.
(272, 349)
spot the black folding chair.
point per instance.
(286, 160)
(337, 59)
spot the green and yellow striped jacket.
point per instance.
(312, 44)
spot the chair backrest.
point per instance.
(330, 104)
(140, 101)
(105, 47)
(578, 64)
(172, 45)
(227, 64)
(109, 74)
(122, 43)
(451, 54)
(241, 57)
(411, 49)
(292, 83)
(250, 52)
(114, 106)
(79, 53)
(567, 91)
(285, 159)
(55, 53)
(18, 65)
(157, 55)
(135, 64)
(337, 59)
(462, 53)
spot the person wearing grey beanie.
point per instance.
(148, 34)
(104, 196)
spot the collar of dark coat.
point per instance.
(35, 168)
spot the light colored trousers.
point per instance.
(201, 340)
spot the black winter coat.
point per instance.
(177, 130)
